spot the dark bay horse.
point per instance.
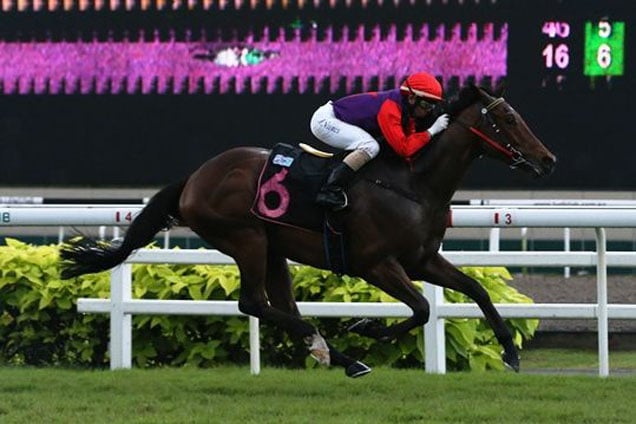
(396, 220)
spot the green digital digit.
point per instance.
(5, 217)
(604, 48)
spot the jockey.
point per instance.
(352, 123)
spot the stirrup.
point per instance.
(346, 203)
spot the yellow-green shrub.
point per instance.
(39, 323)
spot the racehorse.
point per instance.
(395, 221)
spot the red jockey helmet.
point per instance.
(422, 84)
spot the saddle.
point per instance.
(287, 188)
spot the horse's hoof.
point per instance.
(357, 369)
(511, 360)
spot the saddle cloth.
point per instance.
(288, 185)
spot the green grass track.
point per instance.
(232, 395)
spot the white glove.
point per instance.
(440, 124)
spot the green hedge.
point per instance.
(39, 324)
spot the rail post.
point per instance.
(434, 337)
(601, 291)
(120, 322)
(255, 346)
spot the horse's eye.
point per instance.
(510, 119)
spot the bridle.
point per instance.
(514, 156)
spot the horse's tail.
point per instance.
(84, 255)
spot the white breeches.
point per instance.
(339, 134)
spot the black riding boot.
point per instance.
(332, 194)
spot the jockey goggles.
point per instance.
(425, 104)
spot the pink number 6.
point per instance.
(273, 185)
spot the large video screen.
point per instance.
(95, 87)
(211, 55)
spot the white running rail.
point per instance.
(121, 306)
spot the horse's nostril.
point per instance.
(548, 163)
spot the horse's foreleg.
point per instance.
(440, 272)
(390, 277)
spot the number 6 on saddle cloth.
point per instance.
(287, 187)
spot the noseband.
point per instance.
(514, 156)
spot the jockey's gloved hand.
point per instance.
(439, 125)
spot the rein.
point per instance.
(515, 156)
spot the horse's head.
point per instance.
(504, 134)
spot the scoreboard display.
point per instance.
(604, 47)
(91, 89)
(578, 43)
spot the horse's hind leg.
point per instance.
(278, 284)
(251, 259)
(442, 273)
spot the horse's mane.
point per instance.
(467, 96)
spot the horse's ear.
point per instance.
(500, 89)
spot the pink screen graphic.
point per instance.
(250, 66)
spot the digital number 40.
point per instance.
(556, 29)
